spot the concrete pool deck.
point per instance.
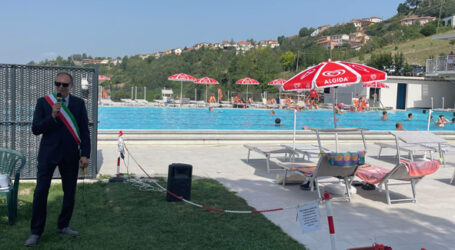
(429, 223)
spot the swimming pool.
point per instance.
(254, 119)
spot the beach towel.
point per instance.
(307, 171)
(346, 159)
(421, 168)
(372, 174)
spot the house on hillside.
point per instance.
(412, 19)
(327, 43)
(157, 54)
(319, 30)
(268, 43)
(116, 61)
(362, 23)
(244, 46)
(449, 21)
(104, 61)
(167, 52)
(226, 45)
(201, 45)
(340, 39)
(177, 51)
(145, 56)
(357, 40)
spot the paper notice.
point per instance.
(309, 217)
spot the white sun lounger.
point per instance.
(322, 169)
(306, 149)
(267, 150)
(411, 149)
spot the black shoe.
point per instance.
(32, 240)
(368, 186)
(67, 231)
(306, 186)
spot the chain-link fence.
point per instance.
(20, 87)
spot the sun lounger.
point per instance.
(340, 165)
(411, 149)
(408, 172)
(306, 149)
(267, 151)
(442, 149)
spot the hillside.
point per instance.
(416, 51)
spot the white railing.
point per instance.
(441, 64)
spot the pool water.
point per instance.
(256, 119)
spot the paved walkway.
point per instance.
(429, 223)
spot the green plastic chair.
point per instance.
(8, 163)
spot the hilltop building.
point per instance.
(319, 30)
(268, 43)
(449, 21)
(362, 23)
(412, 19)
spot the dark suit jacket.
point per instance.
(57, 142)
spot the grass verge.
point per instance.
(120, 216)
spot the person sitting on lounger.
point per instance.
(399, 126)
(212, 99)
(384, 116)
(250, 100)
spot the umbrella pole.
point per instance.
(181, 92)
(334, 111)
(295, 127)
(246, 94)
(429, 120)
(206, 100)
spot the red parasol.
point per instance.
(206, 81)
(182, 77)
(331, 74)
(277, 82)
(103, 78)
(334, 73)
(247, 81)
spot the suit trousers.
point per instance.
(68, 171)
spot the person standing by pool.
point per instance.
(410, 116)
(64, 143)
(384, 116)
(314, 99)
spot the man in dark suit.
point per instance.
(62, 121)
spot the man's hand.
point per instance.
(56, 109)
(83, 162)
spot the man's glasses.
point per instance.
(64, 84)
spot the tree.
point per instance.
(428, 29)
(305, 31)
(403, 8)
(287, 60)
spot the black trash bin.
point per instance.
(179, 181)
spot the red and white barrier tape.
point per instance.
(207, 207)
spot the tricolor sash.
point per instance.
(66, 116)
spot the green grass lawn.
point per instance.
(120, 216)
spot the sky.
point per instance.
(38, 30)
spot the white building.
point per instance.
(449, 21)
